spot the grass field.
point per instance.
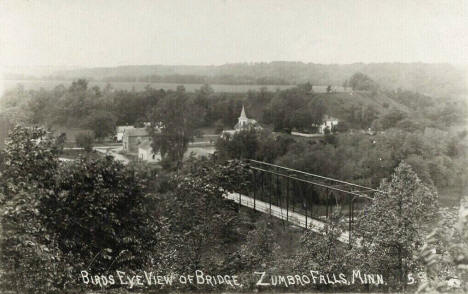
(74, 154)
(138, 86)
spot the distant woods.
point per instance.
(101, 109)
(437, 79)
(400, 125)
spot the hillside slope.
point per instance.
(431, 79)
(339, 104)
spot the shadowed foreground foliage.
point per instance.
(58, 220)
(100, 216)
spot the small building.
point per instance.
(328, 122)
(120, 130)
(243, 123)
(145, 153)
(133, 137)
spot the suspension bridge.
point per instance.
(303, 199)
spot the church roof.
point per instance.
(243, 113)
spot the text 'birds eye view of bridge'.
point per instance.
(302, 199)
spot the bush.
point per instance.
(391, 227)
(219, 126)
(30, 259)
(85, 141)
(101, 122)
(361, 82)
(99, 213)
(60, 219)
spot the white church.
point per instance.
(243, 123)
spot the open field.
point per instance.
(138, 86)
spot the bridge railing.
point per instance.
(313, 196)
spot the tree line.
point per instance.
(84, 106)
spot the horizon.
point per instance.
(230, 63)
(33, 69)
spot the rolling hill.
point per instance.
(430, 79)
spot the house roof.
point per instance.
(146, 145)
(121, 129)
(230, 132)
(329, 118)
(136, 132)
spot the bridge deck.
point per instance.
(279, 212)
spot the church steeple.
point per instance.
(243, 116)
(245, 123)
(243, 120)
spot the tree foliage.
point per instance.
(102, 123)
(362, 82)
(322, 251)
(445, 253)
(30, 157)
(85, 141)
(203, 224)
(59, 220)
(174, 123)
(391, 228)
(252, 144)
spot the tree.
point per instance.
(306, 87)
(100, 214)
(259, 246)
(368, 116)
(174, 122)
(317, 110)
(361, 82)
(219, 126)
(202, 222)
(30, 156)
(450, 260)
(341, 127)
(392, 118)
(391, 228)
(280, 111)
(58, 220)
(102, 123)
(79, 85)
(85, 141)
(345, 85)
(241, 145)
(301, 119)
(329, 89)
(324, 251)
(30, 259)
(60, 141)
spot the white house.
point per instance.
(133, 137)
(145, 153)
(120, 132)
(243, 123)
(328, 122)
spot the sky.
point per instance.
(93, 33)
